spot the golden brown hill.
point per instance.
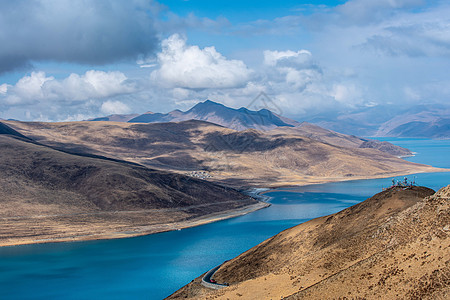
(236, 158)
(343, 140)
(50, 195)
(395, 245)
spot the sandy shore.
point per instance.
(295, 181)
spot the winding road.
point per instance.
(206, 280)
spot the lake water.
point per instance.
(153, 267)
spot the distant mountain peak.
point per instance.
(207, 103)
(117, 117)
(210, 102)
(214, 112)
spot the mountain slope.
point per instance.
(237, 158)
(391, 120)
(243, 119)
(438, 128)
(421, 121)
(6, 130)
(238, 119)
(49, 194)
(391, 246)
(116, 118)
(342, 140)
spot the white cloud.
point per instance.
(3, 88)
(426, 36)
(291, 78)
(76, 97)
(287, 58)
(184, 66)
(93, 84)
(180, 93)
(346, 93)
(28, 89)
(114, 107)
(291, 70)
(147, 65)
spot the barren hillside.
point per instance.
(395, 245)
(262, 120)
(47, 194)
(236, 158)
(342, 140)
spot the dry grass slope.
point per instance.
(234, 158)
(394, 245)
(46, 194)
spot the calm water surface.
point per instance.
(153, 267)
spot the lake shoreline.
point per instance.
(135, 267)
(317, 180)
(145, 230)
(255, 192)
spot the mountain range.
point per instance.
(262, 120)
(238, 119)
(421, 121)
(285, 155)
(377, 121)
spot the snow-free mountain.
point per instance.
(263, 120)
(421, 121)
(210, 111)
(388, 120)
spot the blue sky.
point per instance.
(244, 11)
(73, 60)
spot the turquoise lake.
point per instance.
(153, 267)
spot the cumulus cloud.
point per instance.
(185, 66)
(93, 84)
(27, 90)
(85, 31)
(292, 79)
(38, 87)
(114, 107)
(293, 70)
(348, 94)
(287, 58)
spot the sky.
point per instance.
(64, 60)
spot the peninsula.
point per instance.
(393, 245)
